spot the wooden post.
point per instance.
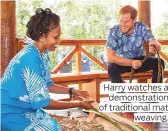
(78, 59)
(144, 16)
(79, 63)
(144, 12)
(93, 89)
(8, 36)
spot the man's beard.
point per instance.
(127, 30)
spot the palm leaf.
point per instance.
(115, 122)
(112, 121)
(34, 83)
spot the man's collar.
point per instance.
(125, 34)
(132, 34)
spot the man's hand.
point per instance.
(136, 64)
(156, 44)
(80, 93)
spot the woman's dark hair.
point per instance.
(41, 23)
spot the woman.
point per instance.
(26, 82)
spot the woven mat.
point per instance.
(80, 124)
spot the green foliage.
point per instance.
(22, 18)
(162, 31)
(84, 21)
(24, 10)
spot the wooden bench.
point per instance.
(91, 80)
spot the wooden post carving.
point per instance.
(8, 36)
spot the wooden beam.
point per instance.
(94, 59)
(145, 17)
(82, 42)
(144, 12)
(79, 63)
(67, 58)
(21, 43)
(163, 42)
(8, 33)
(78, 59)
(164, 56)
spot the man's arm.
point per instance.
(112, 58)
(149, 38)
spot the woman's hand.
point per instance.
(80, 93)
(86, 104)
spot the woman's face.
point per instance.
(52, 40)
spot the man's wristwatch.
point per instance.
(70, 92)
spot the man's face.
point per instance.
(126, 23)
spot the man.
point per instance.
(103, 57)
(85, 63)
(124, 46)
(63, 52)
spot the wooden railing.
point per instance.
(79, 49)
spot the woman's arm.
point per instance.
(57, 105)
(70, 99)
(55, 88)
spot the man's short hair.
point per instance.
(129, 9)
